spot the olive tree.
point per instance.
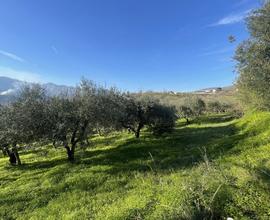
(195, 104)
(3, 133)
(162, 119)
(137, 113)
(109, 107)
(185, 112)
(24, 121)
(133, 114)
(253, 60)
(73, 117)
(215, 107)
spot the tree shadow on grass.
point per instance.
(112, 139)
(38, 165)
(211, 119)
(263, 172)
(179, 150)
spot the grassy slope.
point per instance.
(225, 96)
(215, 167)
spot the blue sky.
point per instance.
(178, 45)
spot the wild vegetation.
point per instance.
(142, 156)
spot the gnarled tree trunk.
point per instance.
(138, 130)
(137, 134)
(70, 153)
(12, 157)
(16, 154)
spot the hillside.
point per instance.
(9, 88)
(226, 95)
(216, 167)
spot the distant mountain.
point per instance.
(53, 89)
(7, 84)
(9, 87)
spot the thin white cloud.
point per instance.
(12, 56)
(20, 74)
(54, 49)
(217, 51)
(231, 19)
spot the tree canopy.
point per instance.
(253, 61)
(70, 119)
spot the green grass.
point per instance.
(214, 168)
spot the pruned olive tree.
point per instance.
(73, 117)
(24, 121)
(3, 133)
(162, 118)
(89, 110)
(5, 136)
(217, 107)
(65, 123)
(185, 112)
(109, 106)
(196, 104)
(136, 113)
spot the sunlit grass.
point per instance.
(216, 167)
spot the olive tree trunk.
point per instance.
(138, 130)
(70, 152)
(12, 158)
(16, 154)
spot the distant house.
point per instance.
(215, 90)
(209, 90)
